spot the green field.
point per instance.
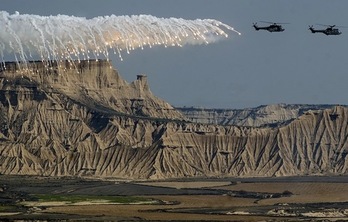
(8, 208)
(83, 198)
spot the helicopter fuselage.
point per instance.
(271, 28)
(328, 31)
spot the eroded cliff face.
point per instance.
(94, 84)
(71, 127)
(313, 144)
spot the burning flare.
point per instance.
(62, 37)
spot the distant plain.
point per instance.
(183, 199)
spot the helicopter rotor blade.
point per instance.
(322, 25)
(266, 22)
(326, 25)
(337, 26)
(282, 23)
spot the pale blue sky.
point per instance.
(256, 68)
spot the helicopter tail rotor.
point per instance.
(255, 26)
(311, 28)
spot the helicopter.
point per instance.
(274, 27)
(330, 30)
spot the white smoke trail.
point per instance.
(62, 37)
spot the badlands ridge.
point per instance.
(87, 121)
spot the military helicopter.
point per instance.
(330, 30)
(274, 27)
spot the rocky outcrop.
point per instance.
(91, 127)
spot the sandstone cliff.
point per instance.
(59, 122)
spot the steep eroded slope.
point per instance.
(54, 123)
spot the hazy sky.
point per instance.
(256, 68)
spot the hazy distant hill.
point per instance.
(59, 122)
(265, 115)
